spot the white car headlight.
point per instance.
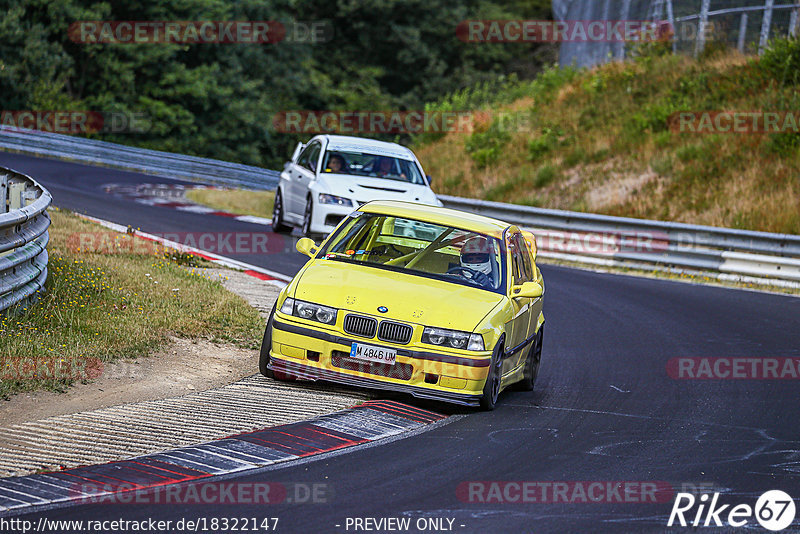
(325, 198)
(309, 310)
(453, 339)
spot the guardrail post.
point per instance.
(15, 196)
(766, 25)
(28, 197)
(4, 193)
(671, 20)
(626, 11)
(742, 33)
(700, 43)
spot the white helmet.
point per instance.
(476, 254)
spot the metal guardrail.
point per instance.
(746, 24)
(571, 236)
(153, 162)
(653, 245)
(23, 238)
(768, 9)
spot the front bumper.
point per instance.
(325, 217)
(315, 354)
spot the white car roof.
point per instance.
(345, 143)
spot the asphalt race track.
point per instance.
(80, 188)
(605, 408)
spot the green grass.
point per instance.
(545, 175)
(593, 133)
(238, 201)
(114, 302)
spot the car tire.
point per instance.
(263, 360)
(491, 389)
(278, 224)
(532, 363)
(307, 215)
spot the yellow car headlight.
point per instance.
(309, 310)
(452, 338)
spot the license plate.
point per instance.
(370, 353)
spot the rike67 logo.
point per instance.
(774, 510)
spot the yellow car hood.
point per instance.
(410, 298)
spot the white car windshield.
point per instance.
(374, 165)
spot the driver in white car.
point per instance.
(336, 164)
(386, 168)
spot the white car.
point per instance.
(332, 175)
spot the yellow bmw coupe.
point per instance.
(429, 301)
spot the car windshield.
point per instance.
(374, 165)
(419, 248)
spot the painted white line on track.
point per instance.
(254, 220)
(275, 278)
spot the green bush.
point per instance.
(599, 155)
(544, 86)
(781, 61)
(473, 98)
(589, 118)
(486, 147)
(689, 153)
(662, 139)
(654, 117)
(784, 145)
(662, 165)
(646, 51)
(499, 192)
(545, 175)
(545, 143)
(575, 157)
(595, 84)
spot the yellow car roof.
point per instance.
(436, 215)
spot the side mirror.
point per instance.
(528, 290)
(430, 179)
(308, 247)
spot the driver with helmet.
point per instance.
(476, 256)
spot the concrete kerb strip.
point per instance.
(361, 424)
